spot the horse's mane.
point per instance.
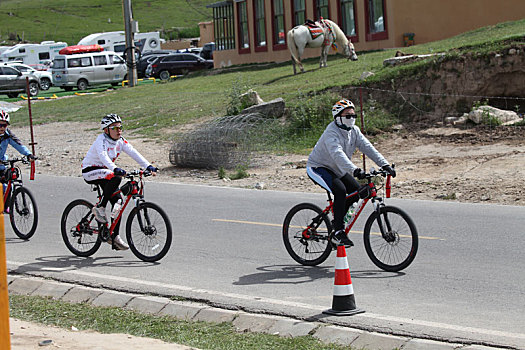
(340, 36)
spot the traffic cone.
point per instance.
(343, 303)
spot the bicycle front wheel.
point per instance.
(80, 230)
(306, 234)
(148, 231)
(393, 247)
(23, 213)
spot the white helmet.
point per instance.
(340, 106)
(4, 116)
(109, 119)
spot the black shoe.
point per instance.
(340, 237)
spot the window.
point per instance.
(299, 12)
(119, 48)
(21, 50)
(9, 71)
(278, 25)
(322, 9)
(101, 42)
(260, 27)
(244, 35)
(85, 62)
(376, 25)
(59, 63)
(348, 19)
(43, 55)
(223, 25)
(23, 69)
(100, 60)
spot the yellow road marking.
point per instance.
(280, 225)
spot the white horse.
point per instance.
(299, 37)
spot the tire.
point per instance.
(23, 213)
(33, 88)
(315, 249)
(12, 94)
(148, 232)
(397, 251)
(45, 84)
(68, 88)
(80, 229)
(164, 75)
(82, 84)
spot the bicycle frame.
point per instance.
(14, 181)
(136, 193)
(372, 196)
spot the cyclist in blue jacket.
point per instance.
(7, 137)
(330, 164)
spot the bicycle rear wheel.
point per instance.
(23, 213)
(306, 234)
(80, 230)
(396, 248)
(148, 231)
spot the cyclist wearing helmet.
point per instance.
(8, 138)
(330, 166)
(98, 167)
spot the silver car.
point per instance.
(88, 69)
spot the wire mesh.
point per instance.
(224, 142)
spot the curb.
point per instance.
(242, 321)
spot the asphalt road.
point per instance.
(467, 282)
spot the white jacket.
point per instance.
(335, 147)
(105, 151)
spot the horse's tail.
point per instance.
(292, 46)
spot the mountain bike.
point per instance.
(148, 228)
(19, 203)
(390, 236)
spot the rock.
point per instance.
(259, 186)
(482, 113)
(365, 75)
(272, 109)
(250, 98)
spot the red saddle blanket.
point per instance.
(315, 32)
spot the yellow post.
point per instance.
(5, 337)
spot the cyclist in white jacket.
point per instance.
(98, 167)
(330, 164)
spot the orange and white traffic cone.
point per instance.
(343, 303)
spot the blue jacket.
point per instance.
(8, 138)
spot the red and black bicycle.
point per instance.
(19, 203)
(148, 228)
(390, 236)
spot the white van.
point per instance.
(116, 41)
(88, 69)
(32, 54)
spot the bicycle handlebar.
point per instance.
(15, 160)
(381, 172)
(139, 172)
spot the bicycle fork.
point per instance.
(382, 221)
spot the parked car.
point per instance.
(147, 57)
(87, 69)
(44, 76)
(178, 64)
(13, 82)
(207, 51)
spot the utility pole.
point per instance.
(130, 27)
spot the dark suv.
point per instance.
(12, 82)
(177, 64)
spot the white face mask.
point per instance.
(348, 122)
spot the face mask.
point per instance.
(348, 122)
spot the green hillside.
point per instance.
(69, 21)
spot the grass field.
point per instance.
(69, 21)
